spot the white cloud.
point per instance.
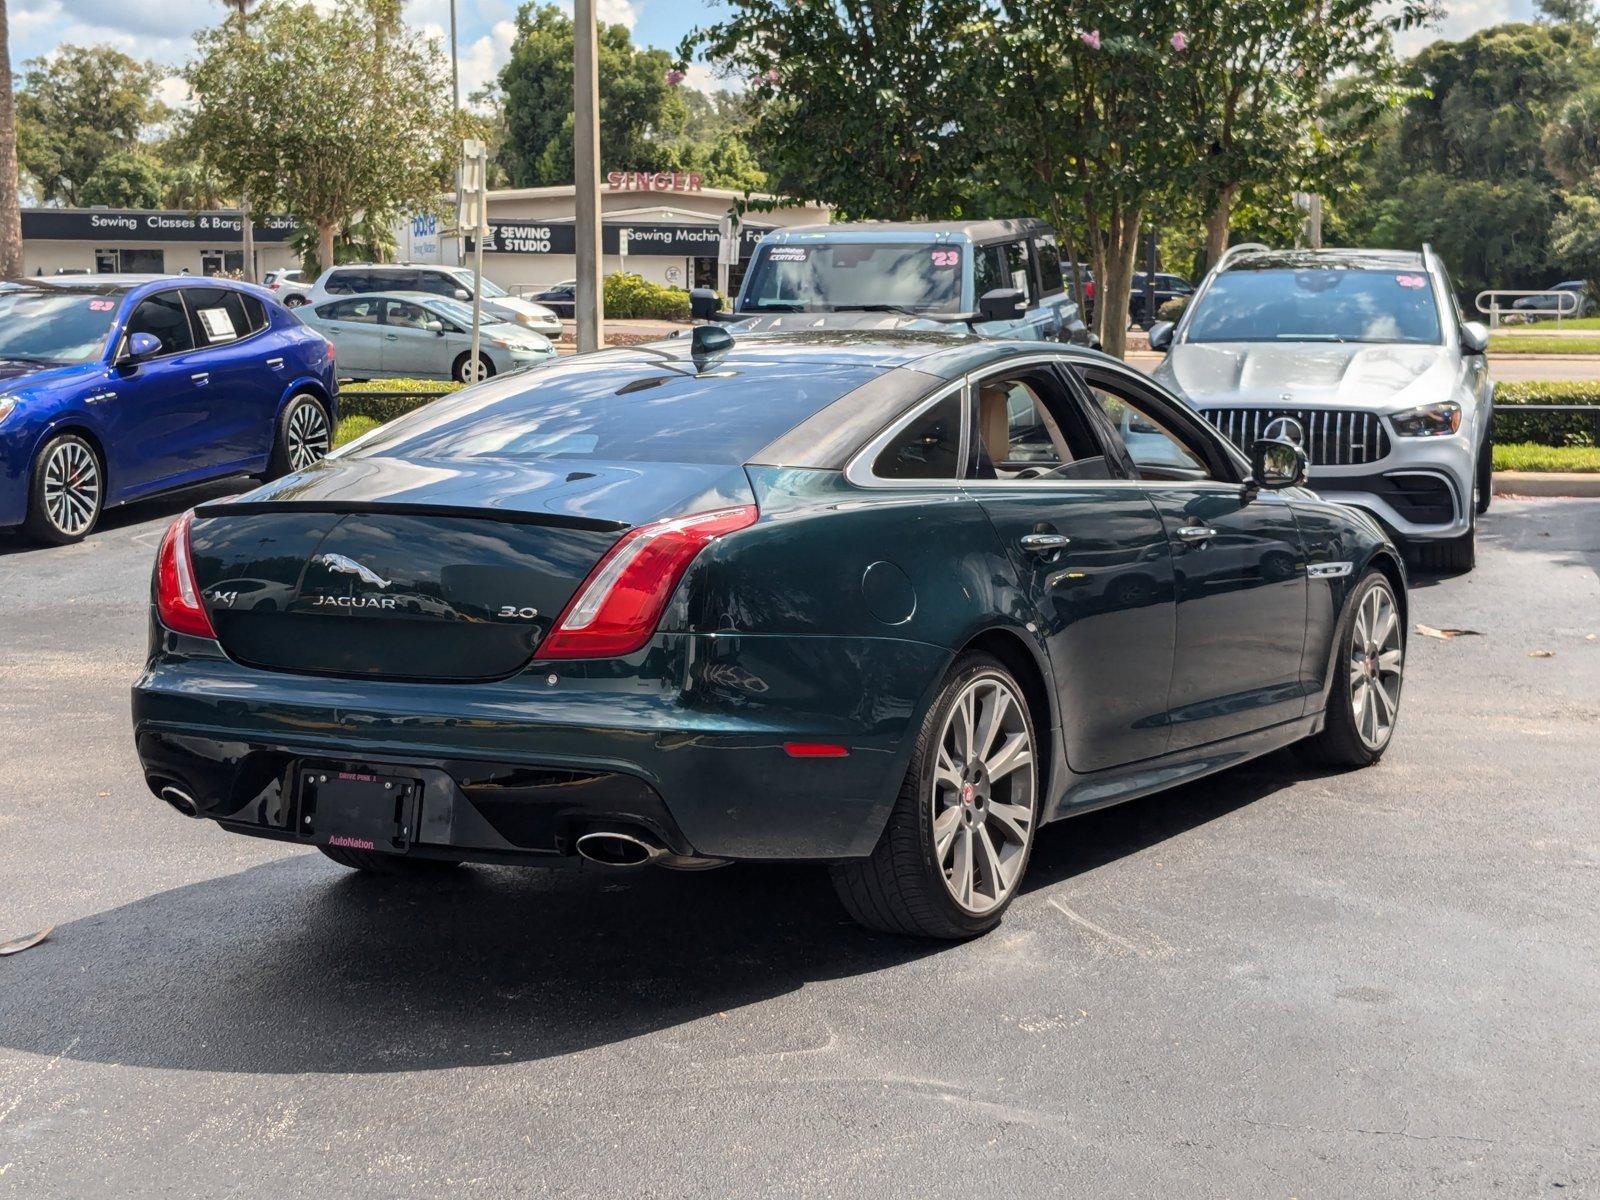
(1462, 17)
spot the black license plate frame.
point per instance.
(358, 808)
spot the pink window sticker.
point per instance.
(947, 258)
(1412, 281)
(102, 305)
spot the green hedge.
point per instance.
(631, 297)
(386, 399)
(1547, 428)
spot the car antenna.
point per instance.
(706, 341)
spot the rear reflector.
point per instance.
(620, 604)
(815, 750)
(177, 596)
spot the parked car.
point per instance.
(455, 283)
(290, 287)
(1547, 305)
(1368, 350)
(561, 298)
(667, 625)
(115, 387)
(1168, 287)
(415, 335)
(1001, 278)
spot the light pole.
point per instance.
(455, 107)
(589, 303)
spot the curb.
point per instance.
(1580, 484)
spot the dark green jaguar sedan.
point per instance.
(889, 602)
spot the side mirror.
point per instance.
(1276, 463)
(703, 304)
(1161, 335)
(141, 345)
(1474, 338)
(1002, 304)
(434, 327)
(463, 294)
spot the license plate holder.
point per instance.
(358, 809)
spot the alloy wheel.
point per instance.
(1377, 664)
(307, 435)
(983, 795)
(71, 488)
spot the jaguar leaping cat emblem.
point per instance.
(340, 565)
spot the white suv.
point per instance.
(1368, 350)
(354, 279)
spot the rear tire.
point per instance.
(304, 436)
(952, 808)
(461, 371)
(371, 862)
(1371, 660)
(66, 492)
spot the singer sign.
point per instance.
(653, 181)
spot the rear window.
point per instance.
(632, 412)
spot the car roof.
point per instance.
(1330, 259)
(399, 266)
(977, 232)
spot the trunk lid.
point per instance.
(445, 571)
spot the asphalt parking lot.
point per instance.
(1276, 983)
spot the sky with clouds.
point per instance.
(485, 26)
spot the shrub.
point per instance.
(631, 297)
(385, 399)
(1171, 310)
(1548, 428)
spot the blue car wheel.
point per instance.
(304, 436)
(66, 491)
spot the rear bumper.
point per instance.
(513, 769)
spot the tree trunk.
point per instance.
(1114, 290)
(1217, 224)
(247, 237)
(10, 205)
(324, 245)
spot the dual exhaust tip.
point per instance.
(180, 800)
(624, 847)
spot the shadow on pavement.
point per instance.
(297, 966)
(168, 504)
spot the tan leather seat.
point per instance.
(994, 421)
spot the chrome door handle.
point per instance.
(101, 398)
(275, 363)
(1044, 543)
(201, 377)
(1196, 533)
(391, 337)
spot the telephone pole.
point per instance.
(590, 301)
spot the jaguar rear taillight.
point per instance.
(621, 602)
(177, 595)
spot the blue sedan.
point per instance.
(116, 387)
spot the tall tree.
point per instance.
(300, 111)
(864, 105)
(10, 205)
(639, 107)
(75, 107)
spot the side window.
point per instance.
(927, 448)
(988, 272)
(407, 315)
(216, 315)
(436, 283)
(163, 315)
(1049, 255)
(255, 312)
(1029, 427)
(351, 283)
(1019, 271)
(361, 310)
(1156, 449)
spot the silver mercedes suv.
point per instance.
(1368, 350)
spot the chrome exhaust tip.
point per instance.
(180, 800)
(619, 848)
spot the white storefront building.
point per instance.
(111, 240)
(661, 225)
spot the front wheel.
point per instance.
(1364, 701)
(462, 372)
(959, 837)
(1451, 556)
(1484, 483)
(65, 492)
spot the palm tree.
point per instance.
(10, 204)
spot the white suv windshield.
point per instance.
(855, 277)
(1317, 305)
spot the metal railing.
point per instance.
(1566, 304)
